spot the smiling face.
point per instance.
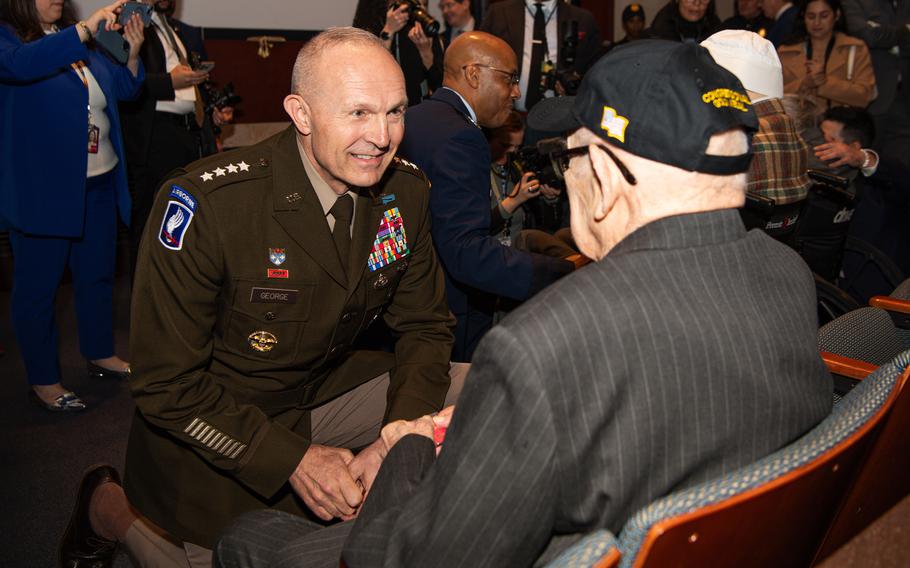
(49, 11)
(456, 12)
(352, 115)
(820, 20)
(495, 91)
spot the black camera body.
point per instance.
(566, 76)
(418, 14)
(540, 159)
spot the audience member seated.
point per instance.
(749, 17)
(824, 64)
(778, 169)
(685, 351)
(885, 27)
(783, 15)
(882, 183)
(685, 20)
(418, 52)
(60, 189)
(443, 137)
(239, 405)
(536, 30)
(457, 14)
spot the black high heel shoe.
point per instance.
(99, 372)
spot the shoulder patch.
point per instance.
(181, 207)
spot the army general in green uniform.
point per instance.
(259, 268)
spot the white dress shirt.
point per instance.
(549, 14)
(184, 99)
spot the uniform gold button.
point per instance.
(270, 316)
(263, 163)
(346, 318)
(380, 282)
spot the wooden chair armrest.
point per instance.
(890, 304)
(853, 368)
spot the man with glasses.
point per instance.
(443, 137)
(685, 351)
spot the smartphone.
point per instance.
(130, 8)
(206, 66)
(113, 43)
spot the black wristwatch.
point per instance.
(384, 35)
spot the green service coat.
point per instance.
(242, 319)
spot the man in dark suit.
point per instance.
(783, 14)
(885, 27)
(443, 137)
(685, 351)
(458, 18)
(258, 272)
(166, 126)
(514, 21)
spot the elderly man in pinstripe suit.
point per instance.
(685, 351)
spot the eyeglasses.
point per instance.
(562, 159)
(512, 77)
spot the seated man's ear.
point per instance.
(605, 182)
(299, 111)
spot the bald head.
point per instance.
(308, 65)
(483, 69)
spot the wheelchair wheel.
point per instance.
(867, 271)
(832, 302)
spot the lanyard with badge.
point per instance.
(94, 133)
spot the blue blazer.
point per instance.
(441, 139)
(43, 133)
(783, 27)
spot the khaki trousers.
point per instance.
(352, 420)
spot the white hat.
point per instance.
(751, 58)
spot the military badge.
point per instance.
(181, 207)
(277, 273)
(277, 256)
(262, 341)
(391, 242)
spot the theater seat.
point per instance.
(775, 512)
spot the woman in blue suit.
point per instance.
(62, 180)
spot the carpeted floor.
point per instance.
(44, 454)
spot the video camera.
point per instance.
(418, 14)
(540, 158)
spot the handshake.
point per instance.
(334, 483)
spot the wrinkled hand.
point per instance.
(222, 116)
(396, 18)
(182, 77)
(108, 15)
(838, 154)
(325, 484)
(365, 466)
(394, 431)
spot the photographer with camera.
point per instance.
(556, 41)
(419, 54)
(170, 124)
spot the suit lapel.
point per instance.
(298, 211)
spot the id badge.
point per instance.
(94, 133)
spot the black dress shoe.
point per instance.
(81, 547)
(102, 373)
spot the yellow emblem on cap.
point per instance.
(262, 341)
(721, 98)
(614, 124)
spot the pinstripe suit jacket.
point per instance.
(687, 352)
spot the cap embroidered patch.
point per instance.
(721, 98)
(390, 243)
(614, 124)
(177, 218)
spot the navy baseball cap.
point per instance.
(660, 100)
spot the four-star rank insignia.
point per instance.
(277, 256)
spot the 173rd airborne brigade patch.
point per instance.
(177, 218)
